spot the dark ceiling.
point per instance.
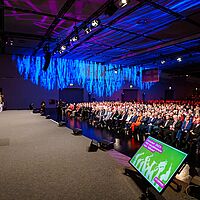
(141, 33)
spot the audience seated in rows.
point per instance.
(176, 123)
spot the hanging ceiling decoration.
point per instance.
(97, 78)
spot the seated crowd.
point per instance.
(177, 124)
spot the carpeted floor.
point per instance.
(41, 161)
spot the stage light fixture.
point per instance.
(186, 75)
(170, 88)
(131, 86)
(196, 89)
(123, 3)
(179, 59)
(7, 41)
(71, 84)
(163, 62)
(60, 52)
(75, 38)
(95, 23)
(87, 30)
(63, 47)
(116, 71)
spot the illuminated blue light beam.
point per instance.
(95, 77)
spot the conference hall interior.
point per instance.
(99, 99)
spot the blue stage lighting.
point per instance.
(97, 78)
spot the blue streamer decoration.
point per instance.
(97, 78)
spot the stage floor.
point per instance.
(39, 160)
(126, 145)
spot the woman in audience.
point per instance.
(137, 122)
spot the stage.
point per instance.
(39, 160)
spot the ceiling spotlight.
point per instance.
(75, 38)
(179, 59)
(196, 88)
(170, 88)
(116, 71)
(186, 75)
(162, 62)
(11, 42)
(131, 86)
(123, 3)
(87, 30)
(63, 47)
(95, 23)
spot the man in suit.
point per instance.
(170, 135)
(166, 124)
(150, 123)
(123, 118)
(156, 126)
(195, 130)
(192, 139)
(141, 127)
(185, 128)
